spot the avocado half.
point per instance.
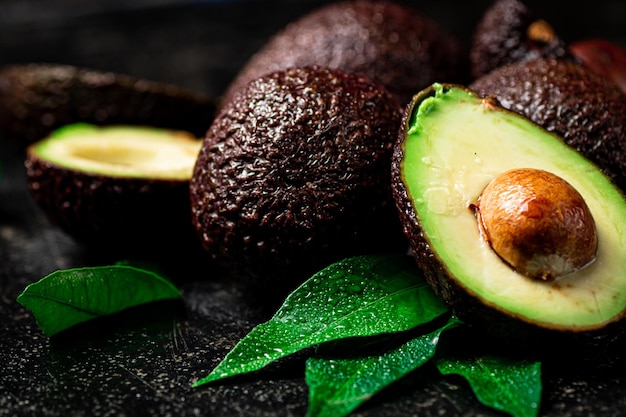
(452, 144)
(38, 98)
(121, 188)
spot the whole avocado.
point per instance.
(587, 110)
(389, 42)
(294, 173)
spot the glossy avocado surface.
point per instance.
(453, 144)
(294, 173)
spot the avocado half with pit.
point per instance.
(518, 232)
(121, 188)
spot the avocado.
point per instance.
(37, 98)
(121, 188)
(456, 151)
(294, 173)
(569, 99)
(391, 43)
(509, 31)
(603, 56)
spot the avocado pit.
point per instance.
(537, 223)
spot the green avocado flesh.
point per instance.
(455, 144)
(121, 151)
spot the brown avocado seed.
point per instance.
(537, 223)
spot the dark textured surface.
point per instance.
(144, 366)
(294, 174)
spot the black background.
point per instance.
(143, 362)
(200, 44)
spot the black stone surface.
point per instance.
(142, 362)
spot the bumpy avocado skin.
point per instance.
(498, 329)
(36, 99)
(585, 109)
(502, 37)
(118, 216)
(390, 43)
(294, 174)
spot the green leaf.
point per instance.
(68, 297)
(339, 386)
(512, 386)
(359, 296)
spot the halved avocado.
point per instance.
(452, 144)
(125, 188)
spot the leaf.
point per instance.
(359, 296)
(339, 386)
(68, 297)
(512, 386)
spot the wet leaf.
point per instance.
(511, 386)
(338, 386)
(72, 296)
(360, 296)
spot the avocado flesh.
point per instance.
(122, 151)
(456, 143)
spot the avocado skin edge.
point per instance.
(37, 98)
(120, 216)
(495, 326)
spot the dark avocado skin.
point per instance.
(586, 110)
(36, 99)
(118, 216)
(390, 43)
(294, 174)
(495, 327)
(501, 37)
